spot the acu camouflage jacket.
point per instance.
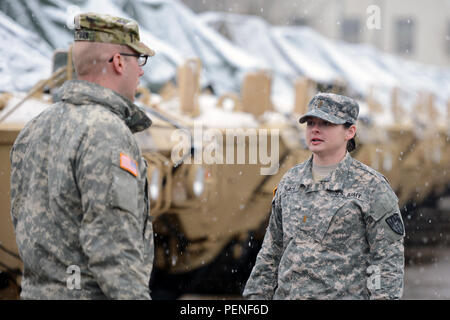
(340, 238)
(79, 198)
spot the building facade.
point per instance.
(415, 29)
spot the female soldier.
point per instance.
(335, 231)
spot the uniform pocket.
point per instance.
(294, 226)
(124, 191)
(345, 224)
(324, 218)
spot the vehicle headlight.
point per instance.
(154, 185)
(199, 182)
(196, 181)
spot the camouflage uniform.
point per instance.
(340, 238)
(79, 198)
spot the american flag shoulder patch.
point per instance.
(128, 164)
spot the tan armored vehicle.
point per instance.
(213, 165)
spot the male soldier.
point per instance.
(335, 231)
(78, 183)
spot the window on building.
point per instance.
(300, 21)
(351, 30)
(405, 36)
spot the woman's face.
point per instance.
(326, 139)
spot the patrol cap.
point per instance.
(333, 108)
(97, 27)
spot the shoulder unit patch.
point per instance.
(128, 164)
(396, 224)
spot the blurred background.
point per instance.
(416, 29)
(253, 65)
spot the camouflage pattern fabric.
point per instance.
(74, 203)
(331, 240)
(105, 28)
(333, 108)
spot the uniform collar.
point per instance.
(80, 92)
(334, 182)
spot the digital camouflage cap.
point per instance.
(97, 27)
(333, 108)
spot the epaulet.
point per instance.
(370, 170)
(275, 190)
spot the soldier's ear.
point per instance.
(350, 132)
(117, 63)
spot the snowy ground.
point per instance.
(429, 281)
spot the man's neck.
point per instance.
(105, 82)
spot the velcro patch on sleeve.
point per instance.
(396, 224)
(128, 164)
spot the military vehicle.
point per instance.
(211, 183)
